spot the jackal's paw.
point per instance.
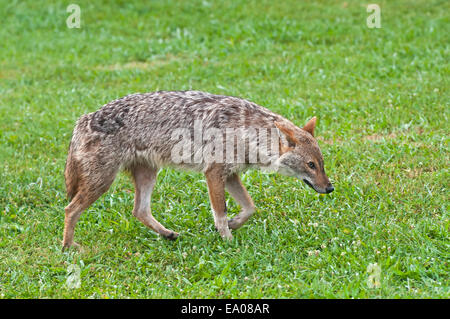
(235, 222)
(171, 235)
(225, 233)
(66, 246)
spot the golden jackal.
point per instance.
(221, 136)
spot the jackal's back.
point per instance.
(138, 127)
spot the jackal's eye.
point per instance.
(311, 165)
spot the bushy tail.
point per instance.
(71, 174)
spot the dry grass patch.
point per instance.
(141, 65)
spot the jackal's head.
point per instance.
(301, 156)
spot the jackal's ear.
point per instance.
(310, 126)
(288, 133)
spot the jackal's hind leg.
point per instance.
(73, 212)
(144, 180)
(89, 190)
(237, 190)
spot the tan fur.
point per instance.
(289, 131)
(310, 126)
(216, 189)
(71, 176)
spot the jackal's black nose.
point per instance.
(329, 189)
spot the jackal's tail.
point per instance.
(71, 174)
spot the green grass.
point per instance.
(381, 97)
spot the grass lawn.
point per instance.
(382, 102)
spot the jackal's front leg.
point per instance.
(216, 190)
(239, 193)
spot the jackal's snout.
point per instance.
(320, 184)
(329, 189)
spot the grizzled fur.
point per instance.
(135, 133)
